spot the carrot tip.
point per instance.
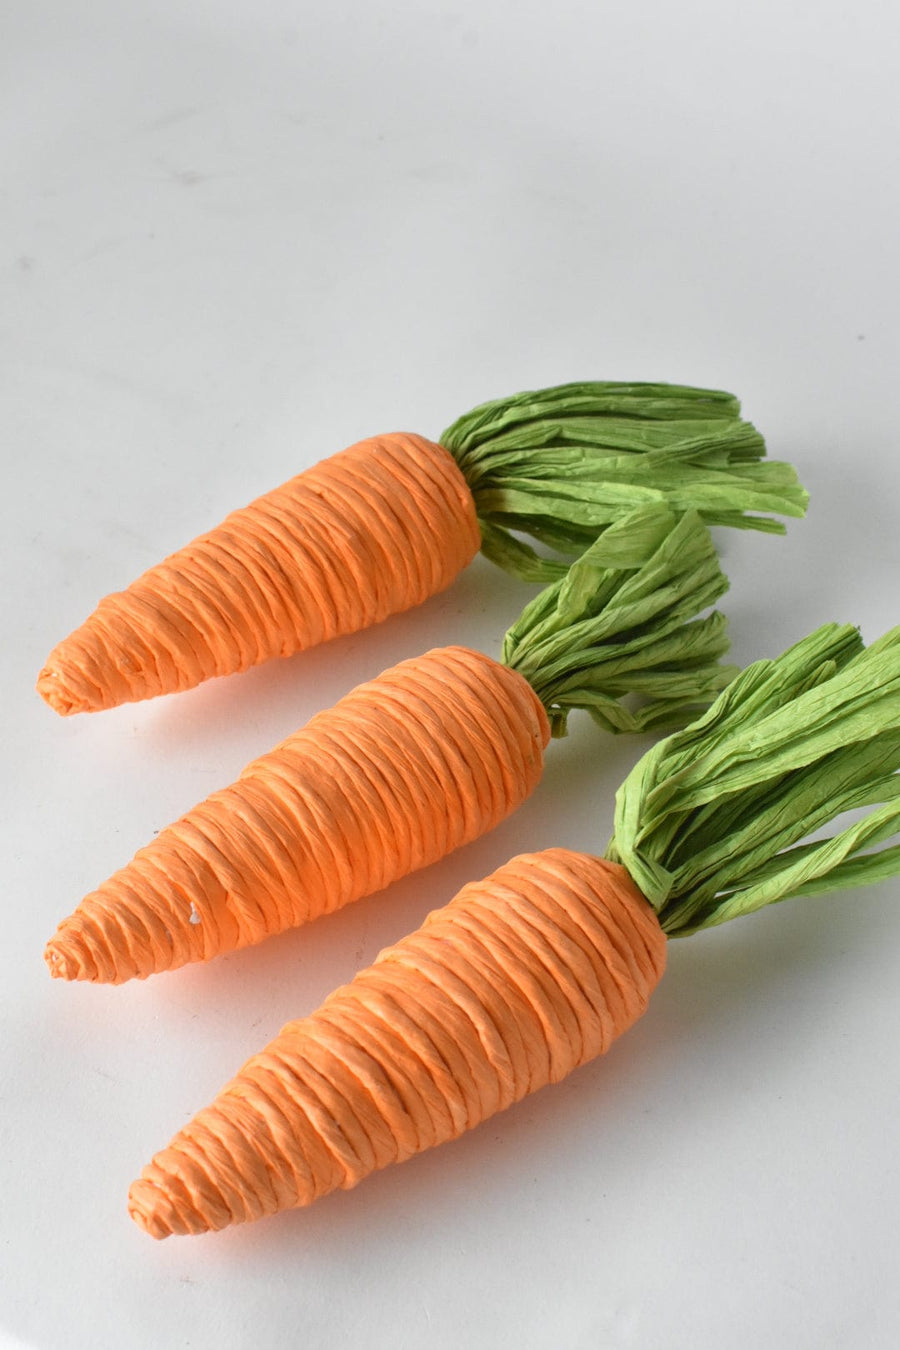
(56, 962)
(144, 1205)
(63, 960)
(157, 1212)
(54, 692)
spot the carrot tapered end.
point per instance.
(58, 962)
(160, 1213)
(77, 952)
(68, 957)
(261, 1146)
(110, 660)
(209, 1176)
(66, 682)
(55, 690)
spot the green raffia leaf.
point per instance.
(517, 557)
(622, 621)
(563, 464)
(715, 821)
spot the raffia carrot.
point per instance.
(379, 527)
(535, 970)
(407, 767)
(516, 982)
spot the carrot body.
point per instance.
(369, 532)
(428, 756)
(520, 979)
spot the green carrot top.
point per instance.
(562, 464)
(619, 635)
(715, 821)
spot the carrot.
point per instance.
(370, 532)
(426, 757)
(516, 982)
(527, 975)
(377, 528)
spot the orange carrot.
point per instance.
(516, 982)
(528, 974)
(377, 528)
(428, 756)
(370, 532)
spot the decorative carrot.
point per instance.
(428, 756)
(528, 974)
(377, 528)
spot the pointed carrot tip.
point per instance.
(144, 1207)
(58, 962)
(53, 690)
(155, 1211)
(66, 959)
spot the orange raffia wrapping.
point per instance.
(520, 979)
(428, 756)
(369, 532)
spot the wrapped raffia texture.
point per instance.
(405, 768)
(369, 532)
(623, 622)
(536, 969)
(379, 527)
(425, 758)
(562, 464)
(519, 980)
(718, 820)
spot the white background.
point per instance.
(236, 237)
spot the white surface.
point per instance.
(239, 236)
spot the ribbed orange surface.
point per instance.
(372, 531)
(428, 756)
(520, 979)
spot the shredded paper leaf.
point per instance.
(563, 464)
(715, 821)
(623, 621)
